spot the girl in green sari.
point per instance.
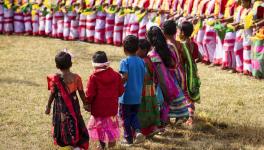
(190, 67)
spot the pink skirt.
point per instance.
(105, 129)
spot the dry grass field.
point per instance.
(230, 116)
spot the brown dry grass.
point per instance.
(230, 115)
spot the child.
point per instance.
(166, 67)
(103, 89)
(68, 125)
(132, 70)
(170, 30)
(148, 114)
(191, 70)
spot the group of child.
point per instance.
(158, 80)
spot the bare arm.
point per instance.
(124, 77)
(82, 95)
(228, 20)
(86, 106)
(48, 107)
(259, 23)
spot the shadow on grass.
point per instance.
(24, 82)
(207, 135)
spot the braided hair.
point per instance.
(158, 41)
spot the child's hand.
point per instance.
(124, 77)
(87, 107)
(47, 112)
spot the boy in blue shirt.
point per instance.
(132, 69)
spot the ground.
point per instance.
(230, 115)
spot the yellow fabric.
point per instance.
(8, 4)
(196, 29)
(87, 2)
(259, 35)
(185, 7)
(47, 3)
(124, 3)
(16, 2)
(68, 3)
(200, 6)
(114, 2)
(140, 15)
(165, 5)
(228, 8)
(248, 21)
(210, 22)
(35, 8)
(127, 11)
(217, 8)
(18, 10)
(158, 20)
(157, 4)
(244, 13)
(195, 6)
(231, 27)
(98, 2)
(179, 9)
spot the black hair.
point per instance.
(100, 57)
(131, 44)
(187, 28)
(158, 41)
(144, 45)
(63, 60)
(169, 27)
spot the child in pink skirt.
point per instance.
(103, 89)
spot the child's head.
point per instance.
(100, 60)
(246, 3)
(144, 48)
(159, 43)
(131, 45)
(169, 28)
(63, 60)
(185, 29)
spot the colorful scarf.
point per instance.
(193, 81)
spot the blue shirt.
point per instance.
(135, 68)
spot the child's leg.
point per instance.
(102, 144)
(191, 109)
(111, 144)
(136, 124)
(134, 118)
(125, 114)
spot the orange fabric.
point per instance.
(76, 84)
(71, 87)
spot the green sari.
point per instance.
(191, 70)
